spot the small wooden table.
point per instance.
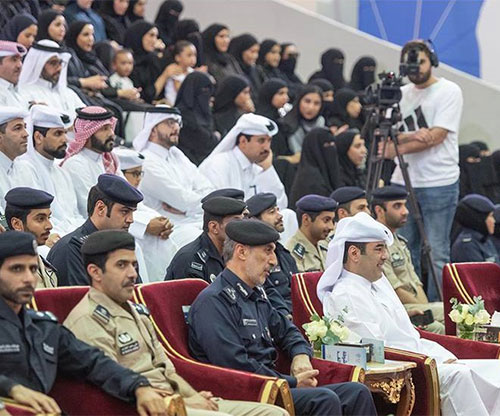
(393, 381)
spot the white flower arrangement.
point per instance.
(468, 317)
(325, 331)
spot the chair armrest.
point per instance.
(77, 397)
(464, 348)
(332, 372)
(425, 378)
(16, 409)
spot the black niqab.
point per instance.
(331, 70)
(361, 78)
(350, 174)
(167, 18)
(318, 171)
(15, 26)
(44, 20)
(264, 105)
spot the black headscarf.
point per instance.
(88, 58)
(287, 66)
(294, 119)
(318, 171)
(468, 171)
(167, 18)
(189, 29)
(471, 218)
(264, 106)
(133, 38)
(116, 25)
(350, 174)
(330, 70)
(339, 109)
(130, 12)
(44, 20)
(17, 25)
(265, 48)
(238, 45)
(227, 91)
(194, 96)
(211, 51)
(360, 79)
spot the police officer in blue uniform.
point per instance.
(34, 347)
(110, 205)
(277, 286)
(475, 214)
(232, 324)
(202, 258)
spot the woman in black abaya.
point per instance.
(215, 46)
(232, 99)
(116, 21)
(469, 160)
(21, 29)
(189, 29)
(245, 49)
(167, 18)
(196, 137)
(269, 60)
(52, 26)
(288, 63)
(351, 152)
(318, 171)
(273, 95)
(332, 68)
(346, 109)
(363, 74)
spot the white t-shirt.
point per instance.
(439, 105)
(170, 91)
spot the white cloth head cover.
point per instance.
(10, 113)
(44, 116)
(150, 121)
(361, 228)
(251, 124)
(36, 59)
(129, 158)
(11, 48)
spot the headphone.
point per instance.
(425, 45)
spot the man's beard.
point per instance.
(58, 153)
(54, 79)
(420, 78)
(105, 146)
(171, 140)
(13, 295)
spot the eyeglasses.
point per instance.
(172, 122)
(56, 62)
(136, 174)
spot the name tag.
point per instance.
(130, 348)
(48, 349)
(9, 348)
(249, 322)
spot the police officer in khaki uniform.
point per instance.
(107, 319)
(389, 206)
(28, 209)
(308, 247)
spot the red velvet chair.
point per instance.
(466, 280)
(16, 409)
(165, 301)
(79, 397)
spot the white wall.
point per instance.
(285, 21)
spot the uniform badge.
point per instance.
(242, 290)
(141, 309)
(196, 266)
(299, 250)
(275, 269)
(212, 277)
(130, 348)
(9, 348)
(249, 322)
(397, 260)
(202, 254)
(124, 338)
(230, 294)
(47, 348)
(101, 313)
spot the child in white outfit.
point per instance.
(123, 65)
(184, 54)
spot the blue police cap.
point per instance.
(106, 241)
(389, 193)
(17, 243)
(222, 206)
(316, 203)
(347, 194)
(28, 198)
(478, 203)
(257, 204)
(227, 192)
(119, 190)
(251, 232)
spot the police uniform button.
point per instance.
(253, 336)
(276, 282)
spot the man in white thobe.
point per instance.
(172, 185)
(13, 142)
(243, 160)
(44, 78)
(354, 286)
(11, 62)
(38, 169)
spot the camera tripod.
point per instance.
(380, 128)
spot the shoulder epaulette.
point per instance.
(141, 309)
(42, 315)
(229, 294)
(202, 254)
(299, 250)
(101, 314)
(403, 238)
(467, 238)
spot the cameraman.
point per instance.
(431, 109)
